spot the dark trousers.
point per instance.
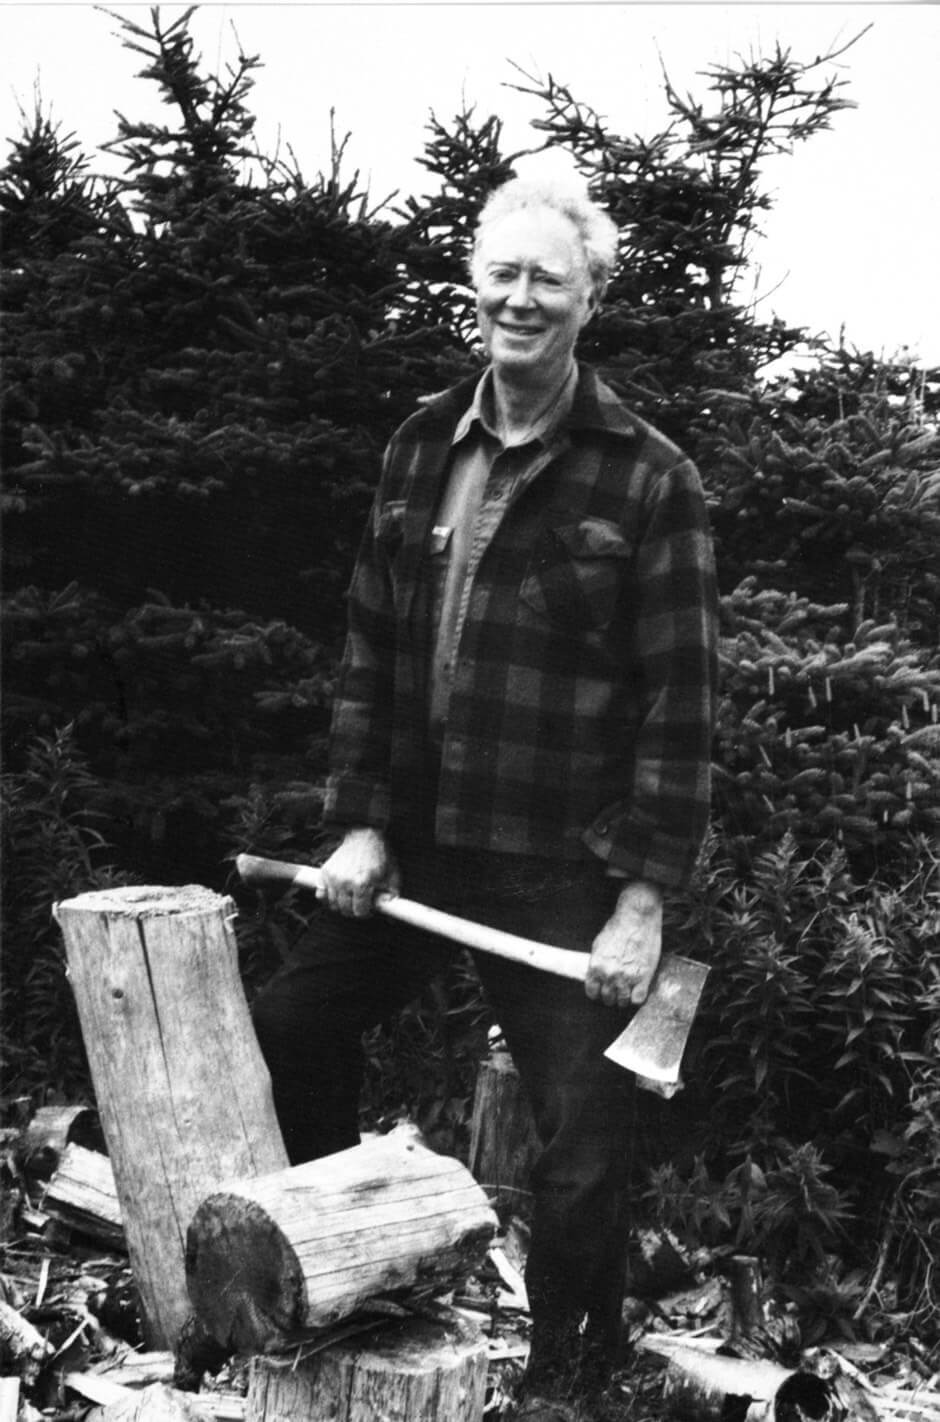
(348, 974)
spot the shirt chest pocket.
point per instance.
(390, 527)
(577, 573)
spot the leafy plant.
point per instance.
(52, 849)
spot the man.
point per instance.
(521, 735)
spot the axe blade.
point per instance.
(654, 1040)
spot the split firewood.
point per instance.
(307, 1246)
(417, 1368)
(93, 1387)
(513, 1295)
(157, 1403)
(22, 1347)
(82, 1195)
(118, 1400)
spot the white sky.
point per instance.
(853, 238)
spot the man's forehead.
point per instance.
(538, 235)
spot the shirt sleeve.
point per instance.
(357, 787)
(654, 829)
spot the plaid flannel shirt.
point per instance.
(582, 706)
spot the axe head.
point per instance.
(653, 1042)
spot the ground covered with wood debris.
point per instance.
(705, 1340)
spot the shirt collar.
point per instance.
(480, 410)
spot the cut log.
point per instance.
(698, 1387)
(182, 1089)
(306, 1247)
(50, 1131)
(503, 1140)
(418, 1371)
(82, 1194)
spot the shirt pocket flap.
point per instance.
(578, 574)
(593, 538)
(391, 520)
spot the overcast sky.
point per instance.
(853, 239)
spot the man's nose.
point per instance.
(520, 293)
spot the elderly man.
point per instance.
(521, 735)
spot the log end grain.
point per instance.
(242, 1274)
(146, 900)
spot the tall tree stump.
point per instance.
(414, 1371)
(503, 1140)
(304, 1248)
(182, 1090)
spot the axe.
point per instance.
(654, 1040)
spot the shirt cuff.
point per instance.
(632, 849)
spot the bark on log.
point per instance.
(699, 1387)
(503, 1140)
(307, 1246)
(417, 1371)
(82, 1194)
(182, 1090)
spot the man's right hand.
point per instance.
(360, 868)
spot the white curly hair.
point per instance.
(562, 194)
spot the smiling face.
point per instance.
(533, 295)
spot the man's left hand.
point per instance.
(626, 952)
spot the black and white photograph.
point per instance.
(470, 712)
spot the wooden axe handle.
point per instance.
(563, 962)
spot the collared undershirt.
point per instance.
(482, 475)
